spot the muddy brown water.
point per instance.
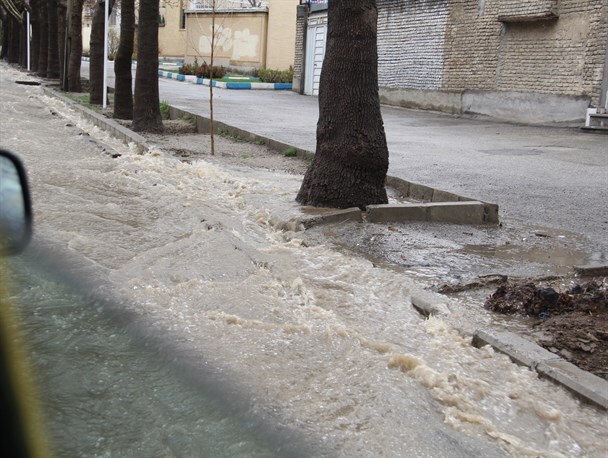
(317, 340)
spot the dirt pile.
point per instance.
(573, 324)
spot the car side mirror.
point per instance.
(15, 205)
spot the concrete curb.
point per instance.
(224, 84)
(99, 120)
(589, 387)
(592, 270)
(463, 212)
(586, 385)
(424, 193)
(340, 216)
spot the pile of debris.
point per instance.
(573, 324)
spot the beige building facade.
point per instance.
(172, 28)
(247, 36)
(543, 61)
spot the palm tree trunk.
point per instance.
(123, 92)
(146, 107)
(75, 57)
(52, 70)
(13, 40)
(23, 41)
(5, 33)
(35, 38)
(351, 160)
(43, 47)
(61, 30)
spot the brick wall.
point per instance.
(472, 44)
(523, 10)
(411, 43)
(299, 49)
(560, 56)
(542, 46)
(298, 61)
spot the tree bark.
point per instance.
(61, 30)
(35, 38)
(146, 107)
(43, 31)
(123, 92)
(75, 59)
(13, 41)
(96, 53)
(23, 42)
(351, 161)
(52, 70)
(5, 32)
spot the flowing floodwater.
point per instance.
(188, 320)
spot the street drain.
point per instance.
(28, 83)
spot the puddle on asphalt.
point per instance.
(560, 258)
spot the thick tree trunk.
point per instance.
(35, 38)
(146, 107)
(52, 69)
(43, 30)
(123, 92)
(23, 42)
(13, 41)
(96, 53)
(351, 160)
(5, 34)
(61, 27)
(75, 58)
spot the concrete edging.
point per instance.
(464, 212)
(584, 384)
(549, 365)
(224, 84)
(99, 120)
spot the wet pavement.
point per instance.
(554, 177)
(317, 339)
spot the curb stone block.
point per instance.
(469, 212)
(223, 84)
(456, 212)
(444, 196)
(118, 131)
(517, 348)
(389, 213)
(592, 270)
(340, 216)
(428, 307)
(591, 387)
(421, 192)
(549, 365)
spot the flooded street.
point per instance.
(170, 311)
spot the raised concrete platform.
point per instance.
(588, 386)
(465, 212)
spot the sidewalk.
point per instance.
(552, 177)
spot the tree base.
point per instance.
(337, 186)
